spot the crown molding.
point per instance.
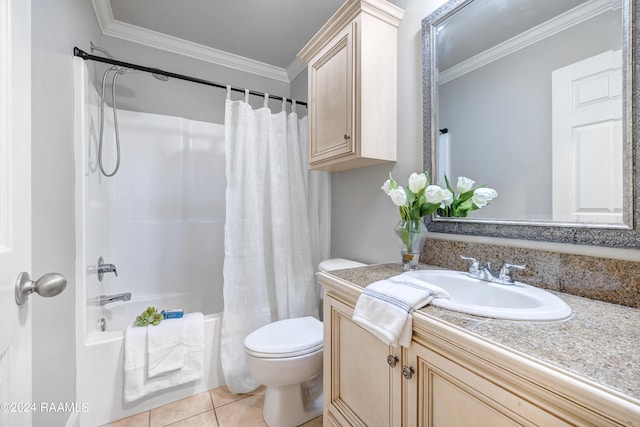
(553, 26)
(132, 33)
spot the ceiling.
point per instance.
(259, 36)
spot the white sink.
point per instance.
(511, 302)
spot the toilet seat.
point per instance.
(286, 338)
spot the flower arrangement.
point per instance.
(420, 199)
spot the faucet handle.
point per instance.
(506, 272)
(474, 268)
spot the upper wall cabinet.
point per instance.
(352, 63)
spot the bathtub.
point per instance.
(101, 355)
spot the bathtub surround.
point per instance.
(604, 279)
(159, 226)
(268, 262)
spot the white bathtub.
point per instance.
(100, 362)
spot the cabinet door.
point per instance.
(331, 83)
(448, 394)
(361, 388)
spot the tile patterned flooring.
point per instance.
(214, 408)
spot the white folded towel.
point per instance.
(385, 307)
(138, 383)
(165, 351)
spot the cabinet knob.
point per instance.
(407, 372)
(392, 360)
(346, 137)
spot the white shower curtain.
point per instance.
(269, 249)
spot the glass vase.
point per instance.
(411, 235)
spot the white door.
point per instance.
(587, 140)
(15, 210)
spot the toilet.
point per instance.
(286, 356)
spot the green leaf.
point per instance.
(392, 182)
(150, 316)
(428, 208)
(446, 181)
(465, 196)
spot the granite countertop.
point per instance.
(600, 342)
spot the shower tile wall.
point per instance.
(161, 217)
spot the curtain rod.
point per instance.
(87, 56)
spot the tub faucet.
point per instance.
(107, 299)
(482, 271)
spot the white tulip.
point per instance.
(482, 196)
(434, 194)
(417, 182)
(448, 198)
(398, 196)
(386, 187)
(464, 184)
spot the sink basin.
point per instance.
(511, 302)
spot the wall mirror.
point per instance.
(537, 99)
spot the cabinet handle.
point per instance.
(392, 360)
(346, 137)
(407, 372)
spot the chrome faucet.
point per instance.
(482, 271)
(107, 299)
(105, 268)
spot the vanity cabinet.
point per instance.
(449, 391)
(352, 71)
(362, 385)
(448, 377)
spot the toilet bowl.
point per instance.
(286, 356)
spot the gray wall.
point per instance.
(362, 215)
(141, 92)
(499, 118)
(56, 27)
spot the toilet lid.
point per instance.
(286, 338)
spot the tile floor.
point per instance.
(214, 408)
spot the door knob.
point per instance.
(49, 285)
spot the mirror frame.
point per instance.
(625, 235)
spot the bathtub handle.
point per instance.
(49, 285)
(105, 268)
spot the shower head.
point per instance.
(99, 49)
(160, 77)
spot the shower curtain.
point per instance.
(276, 217)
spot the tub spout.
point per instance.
(107, 299)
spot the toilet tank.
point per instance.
(338, 264)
